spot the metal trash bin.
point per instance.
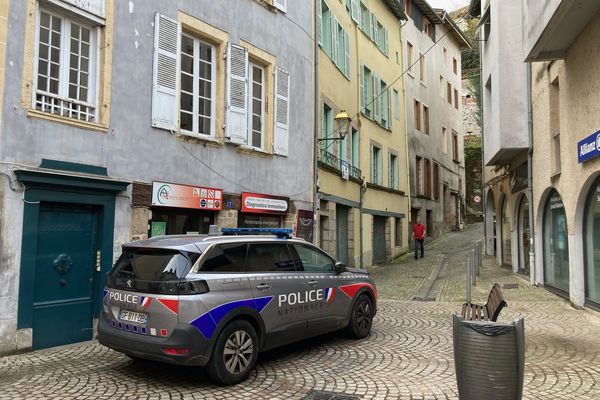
(489, 358)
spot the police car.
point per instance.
(219, 300)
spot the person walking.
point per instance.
(418, 237)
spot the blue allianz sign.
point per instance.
(589, 147)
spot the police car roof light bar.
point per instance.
(279, 232)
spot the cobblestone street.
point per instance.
(407, 356)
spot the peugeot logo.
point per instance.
(129, 283)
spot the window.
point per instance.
(445, 51)
(426, 120)
(409, 56)
(556, 243)
(456, 99)
(197, 93)
(365, 18)
(455, 146)
(449, 92)
(269, 257)
(428, 27)
(454, 66)
(313, 260)
(327, 123)
(398, 232)
(366, 98)
(408, 7)
(427, 178)
(417, 115)
(326, 28)
(383, 103)
(442, 87)
(396, 101)
(225, 258)
(436, 180)
(381, 38)
(444, 140)
(257, 106)
(376, 177)
(355, 147)
(393, 171)
(66, 83)
(419, 176)
(422, 67)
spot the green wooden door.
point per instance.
(64, 275)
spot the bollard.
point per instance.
(468, 281)
(473, 264)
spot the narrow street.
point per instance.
(408, 355)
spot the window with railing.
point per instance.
(331, 161)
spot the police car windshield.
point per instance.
(142, 269)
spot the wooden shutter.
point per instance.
(355, 11)
(363, 89)
(165, 74)
(335, 40)
(372, 26)
(378, 98)
(347, 54)
(281, 5)
(236, 128)
(385, 42)
(282, 112)
(320, 23)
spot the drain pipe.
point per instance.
(530, 180)
(315, 127)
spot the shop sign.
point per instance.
(588, 148)
(345, 169)
(304, 225)
(184, 196)
(264, 204)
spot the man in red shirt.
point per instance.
(418, 236)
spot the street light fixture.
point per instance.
(342, 121)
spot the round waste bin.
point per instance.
(489, 358)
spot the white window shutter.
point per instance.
(282, 112)
(388, 106)
(334, 40)
(320, 23)
(376, 31)
(378, 98)
(385, 41)
(236, 127)
(347, 53)
(363, 89)
(355, 10)
(281, 5)
(165, 74)
(372, 26)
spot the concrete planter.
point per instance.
(489, 359)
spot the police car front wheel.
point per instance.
(234, 354)
(361, 318)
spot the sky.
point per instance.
(448, 5)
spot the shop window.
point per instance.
(555, 243)
(269, 257)
(175, 221)
(66, 83)
(197, 91)
(592, 244)
(225, 258)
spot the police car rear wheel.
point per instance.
(234, 354)
(361, 318)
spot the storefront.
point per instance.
(262, 210)
(592, 245)
(182, 209)
(556, 246)
(506, 236)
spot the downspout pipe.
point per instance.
(315, 124)
(530, 179)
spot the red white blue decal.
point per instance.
(329, 293)
(171, 304)
(350, 290)
(145, 301)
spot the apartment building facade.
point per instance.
(561, 45)
(432, 45)
(124, 120)
(505, 132)
(362, 174)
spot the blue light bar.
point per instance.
(279, 232)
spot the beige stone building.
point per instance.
(562, 45)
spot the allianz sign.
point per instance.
(589, 147)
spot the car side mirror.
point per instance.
(339, 267)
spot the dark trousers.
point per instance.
(419, 243)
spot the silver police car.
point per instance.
(219, 300)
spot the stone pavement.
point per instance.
(407, 356)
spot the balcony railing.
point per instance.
(330, 160)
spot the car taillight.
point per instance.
(192, 287)
(175, 351)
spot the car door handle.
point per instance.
(263, 286)
(313, 283)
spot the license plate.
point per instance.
(133, 316)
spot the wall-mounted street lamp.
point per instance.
(342, 121)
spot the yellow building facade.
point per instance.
(363, 187)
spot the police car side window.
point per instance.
(269, 257)
(314, 260)
(225, 258)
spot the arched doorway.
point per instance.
(555, 243)
(490, 224)
(505, 230)
(524, 235)
(591, 241)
